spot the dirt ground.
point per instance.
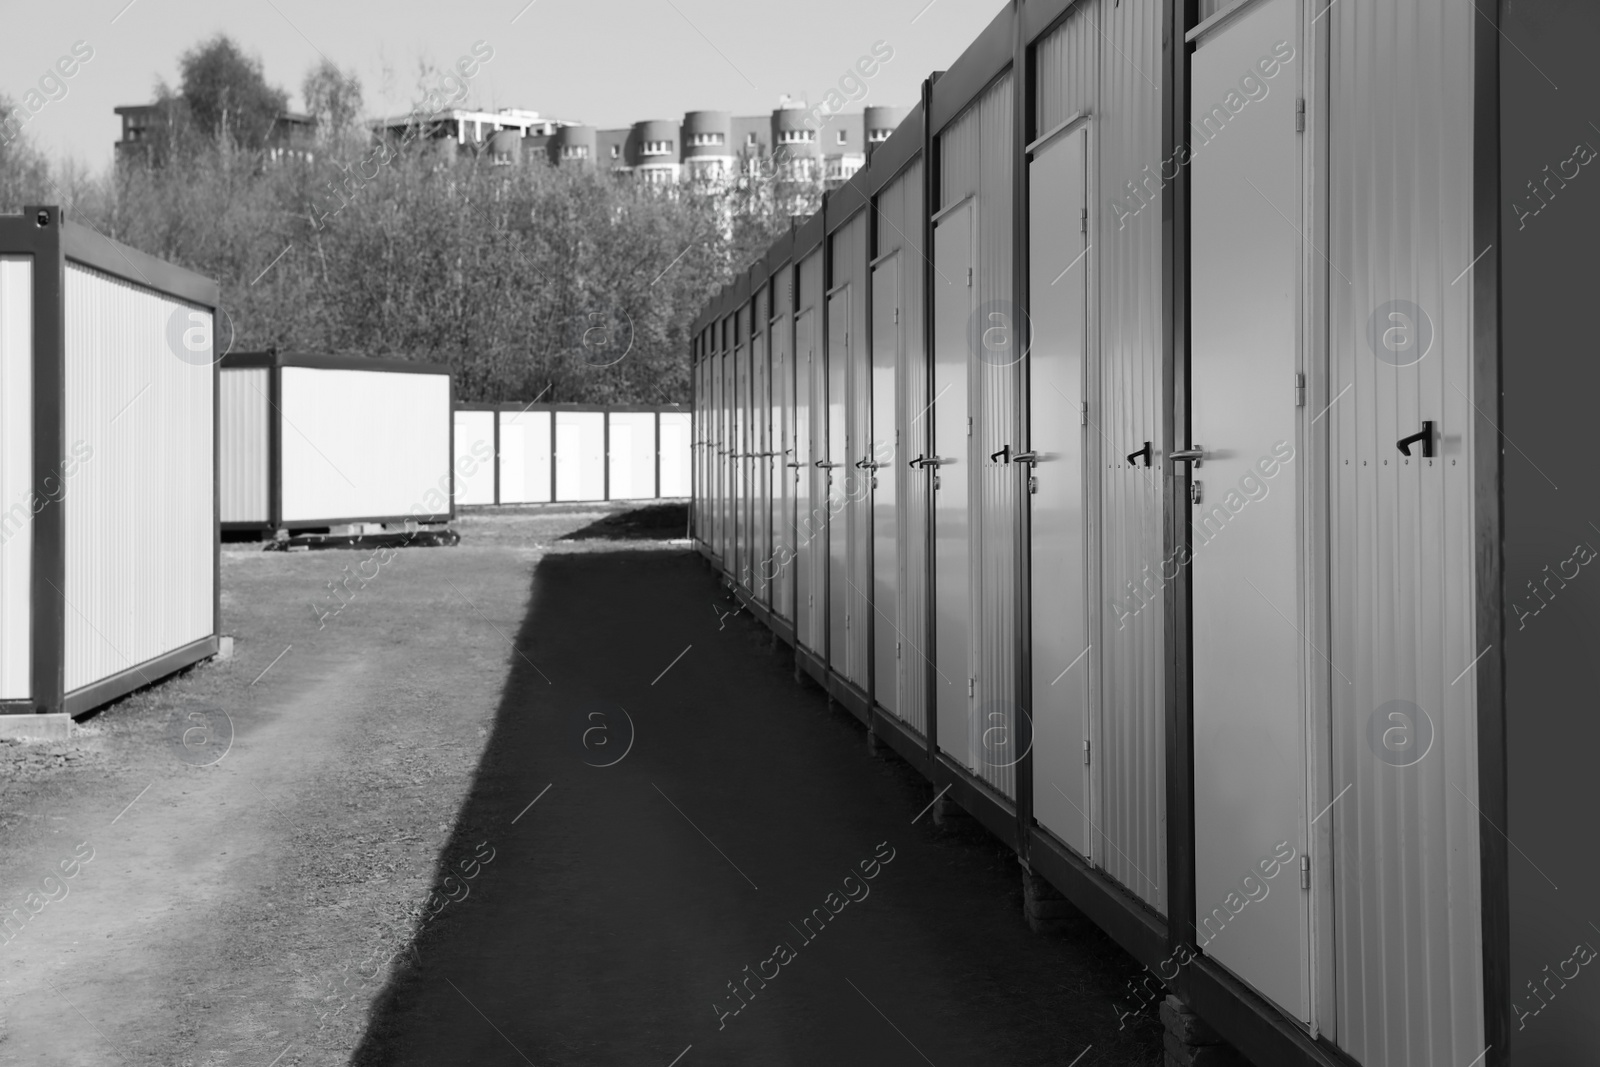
(336, 846)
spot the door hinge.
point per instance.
(1305, 871)
(1299, 390)
(1300, 115)
(971, 683)
(969, 277)
(847, 620)
(1033, 484)
(1083, 413)
(969, 425)
(1086, 753)
(897, 650)
(1083, 221)
(897, 315)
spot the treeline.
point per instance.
(531, 281)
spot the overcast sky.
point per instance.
(605, 62)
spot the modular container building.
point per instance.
(543, 453)
(1167, 444)
(311, 442)
(108, 467)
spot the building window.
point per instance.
(879, 135)
(703, 140)
(843, 137)
(750, 139)
(796, 136)
(658, 148)
(574, 151)
(616, 150)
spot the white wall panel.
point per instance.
(676, 430)
(474, 438)
(244, 459)
(632, 455)
(1408, 955)
(524, 457)
(16, 475)
(140, 509)
(580, 455)
(364, 444)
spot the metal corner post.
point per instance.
(49, 579)
(1021, 124)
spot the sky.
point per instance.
(608, 63)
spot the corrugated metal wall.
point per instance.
(676, 455)
(760, 450)
(364, 444)
(632, 455)
(244, 455)
(852, 482)
(976, 156)
(580, 455)
(899, 220)
(524, 457)
(813, 527)
(781, 339)
(140, 510)
(1125, 411)
(1067, 68)
(16, 476)
(474, 440)
(1407, 918)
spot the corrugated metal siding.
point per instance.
(140, 510)
(1066, 65)
(782, 356)
(524, 457)
(977, 161)
(16, 476)
(474, 440)
(632, 455)
(362, 444)
(580, 455)
(813, 527)
(1125, 411)
(899, 218)
(740, 566)
(676, 456)
(849, 267)
(244, 445)
(1408, 955)
(760, 449)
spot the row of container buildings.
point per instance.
(127, 449)
(1168, 443)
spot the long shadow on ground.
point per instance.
(617, 917)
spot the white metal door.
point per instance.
(878, 463)
(1058, 291)
(781, 570)
(1249, 708)
(806, 530)
(953, 295)
(835, 467)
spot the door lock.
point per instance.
(1194, 492)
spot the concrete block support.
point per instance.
(1046, 909)
(1191, 1043)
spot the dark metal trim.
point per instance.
(1022, 120)
(1255, 1027)
(149, 672)
(1488, 463)
(1128, 920)
(274, 447)
(996, 812)
(320, 361)
(808, 236)
(83, 245)
(906, 742)
(931, 153)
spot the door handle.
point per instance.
(1193, 455)
(823, 464)
(1005, 450)
(792, 463)
(1424, 436)
(1030, 458)
(1145, 452)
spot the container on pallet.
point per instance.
(108, 459)
(573, 452)
(314, 442)
(1230, 564)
